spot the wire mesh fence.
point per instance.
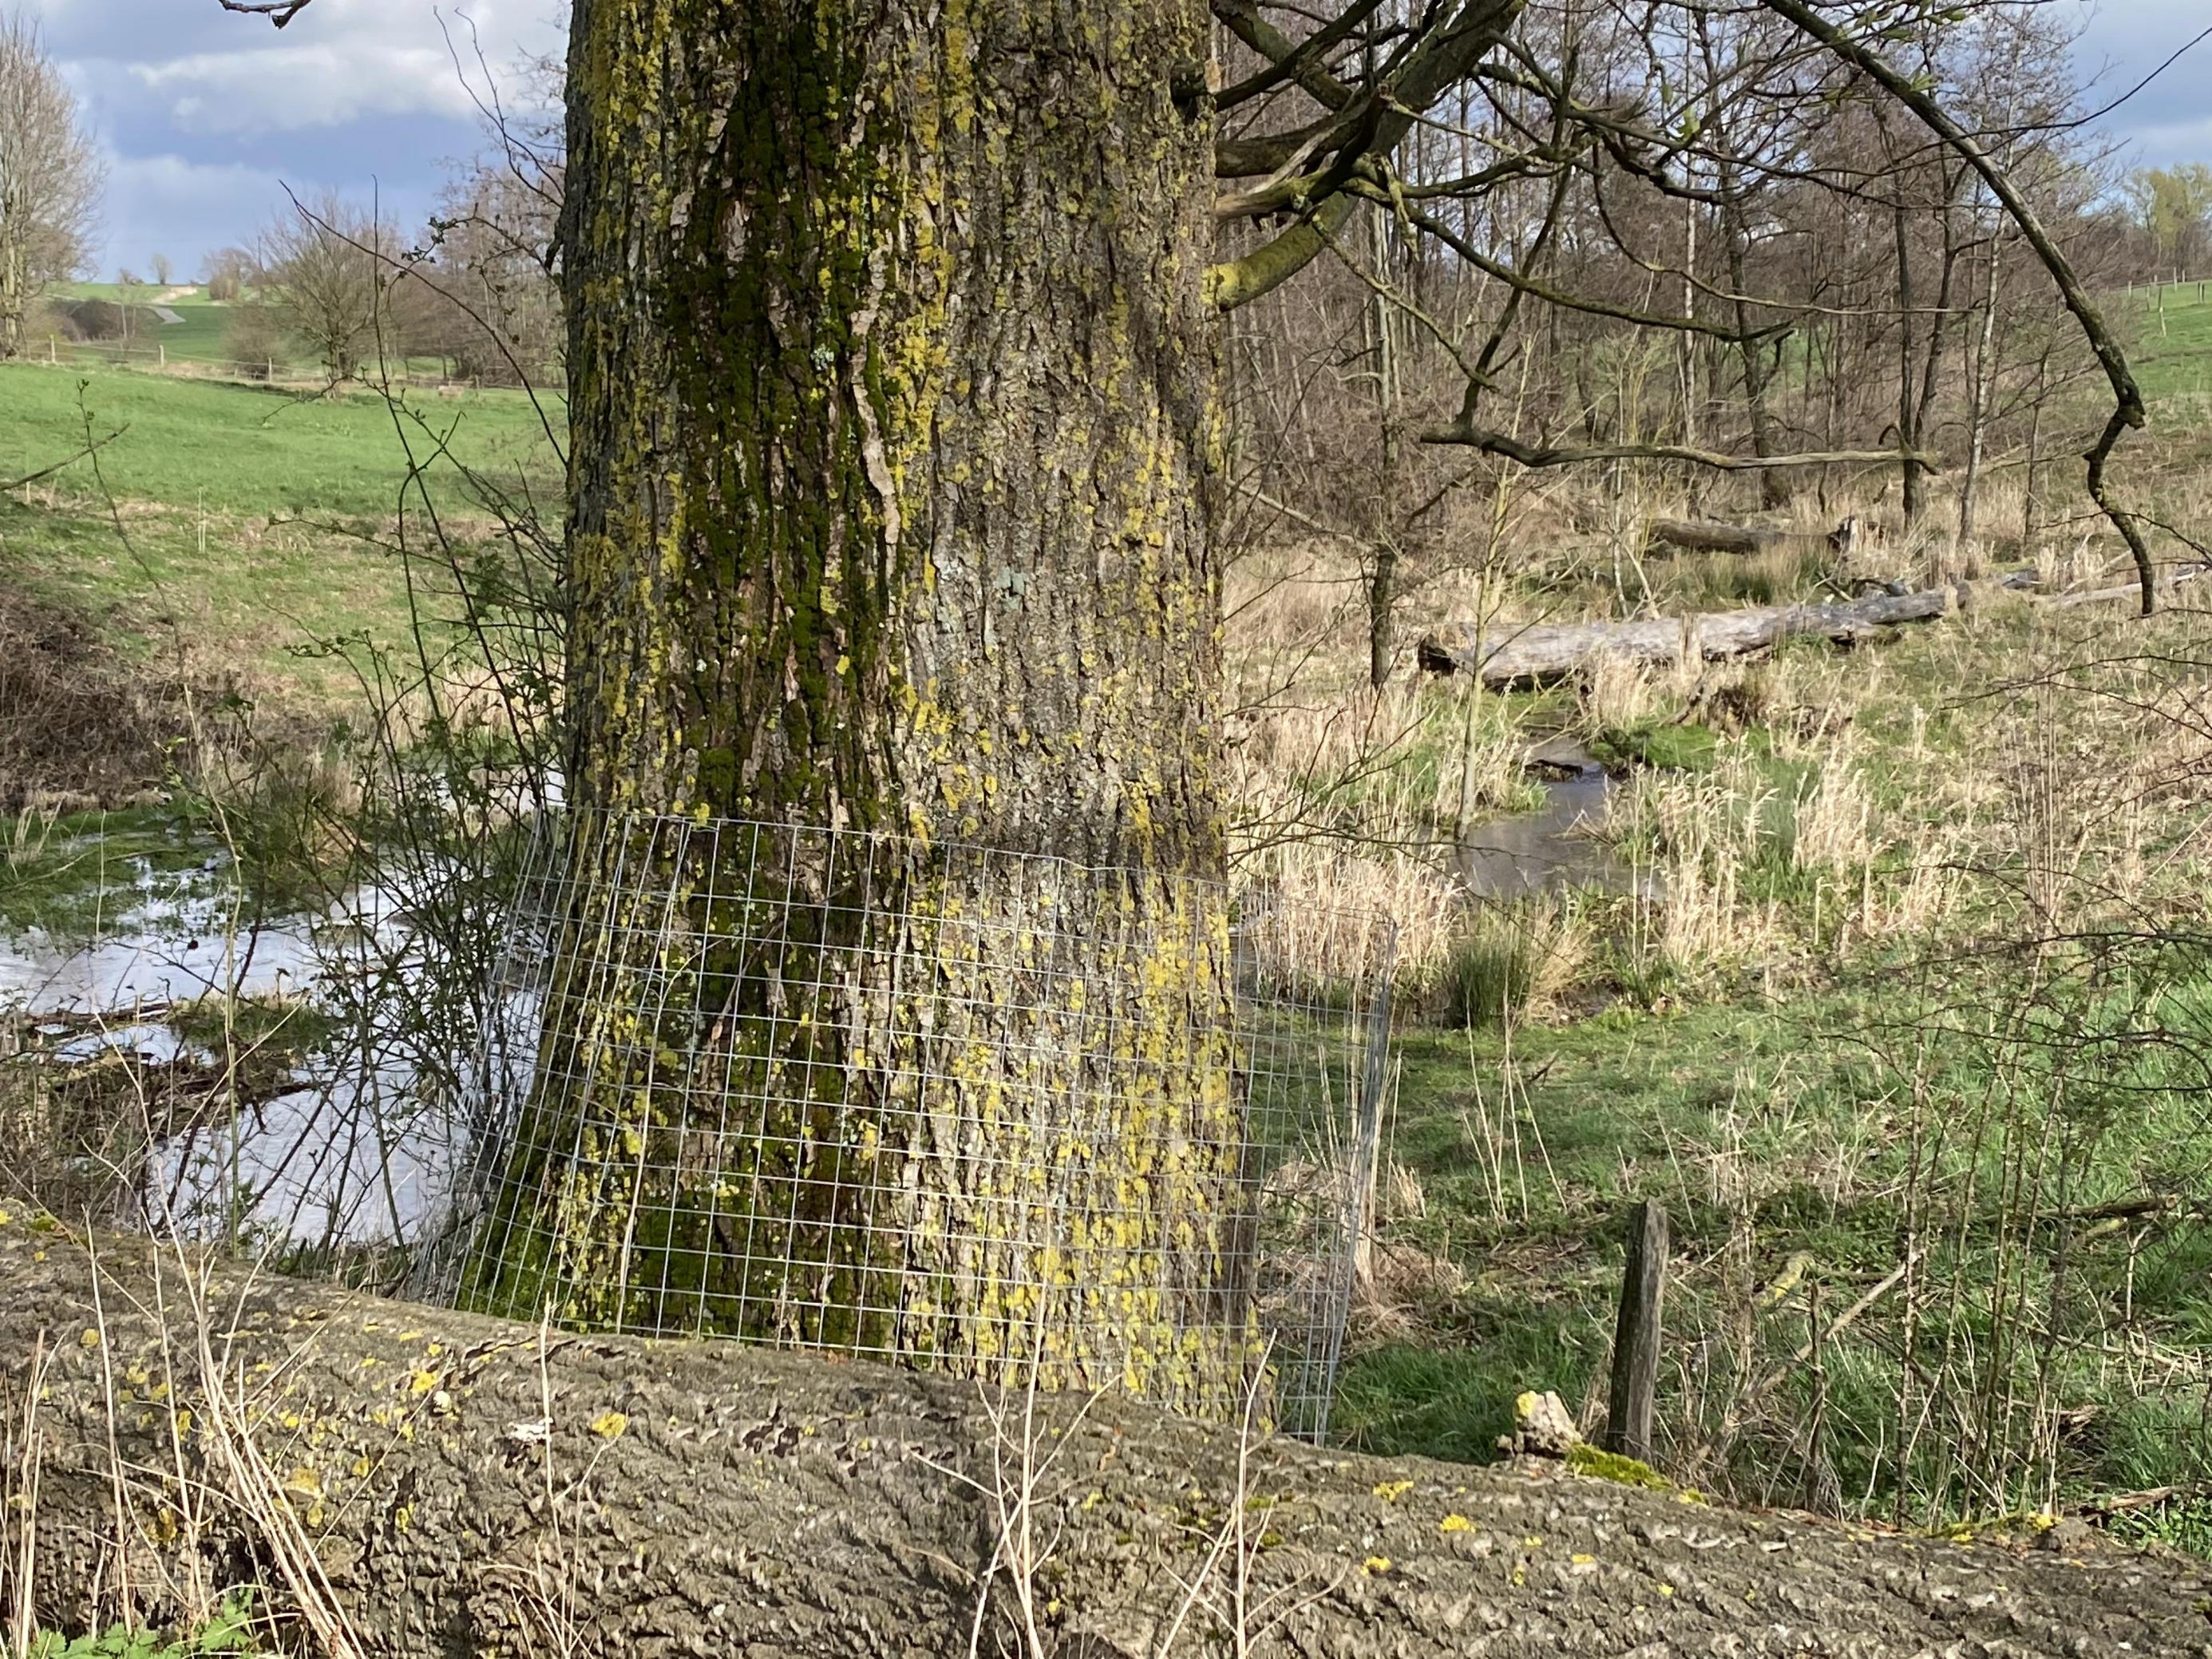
(992, 1112)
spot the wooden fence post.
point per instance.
(1636, 1335)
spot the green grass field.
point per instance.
(2170, 339)
(241, 527)
(190, 444)
(201, 335)
(1773, 1134)
(141, 292)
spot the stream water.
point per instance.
(353, 1155)
(349, 1157)
(1555, 846)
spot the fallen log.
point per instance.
(1697, 536)
(423, 1482)
(1543, 652)
(1664, 535)
(2130, 591)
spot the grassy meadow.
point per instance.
(200, 335)
(2171, 327)
(234, 530)
(1904, 1010)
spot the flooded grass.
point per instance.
(76, 875)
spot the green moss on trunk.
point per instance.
(893, 487)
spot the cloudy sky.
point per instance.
(2171, 119)
(205, 116)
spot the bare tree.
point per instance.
(327, 262)
(229, 272)
(485, 298)
(127, 301)
(255, 339)
(49, 180)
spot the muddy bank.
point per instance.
(78, 724)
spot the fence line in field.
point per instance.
(157, 358)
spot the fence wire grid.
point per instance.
(995, 1112)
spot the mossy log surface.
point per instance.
(471, 1485)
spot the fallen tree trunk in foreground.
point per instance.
(1551, 651)
(473, 1486)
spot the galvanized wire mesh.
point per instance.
(955, 1106)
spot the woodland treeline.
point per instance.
(1693, 247)
(1665, 250)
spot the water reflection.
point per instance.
(1556, 846)
(339, 1151)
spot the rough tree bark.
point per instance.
(894, 456)
(470, 1487)
(895, 418)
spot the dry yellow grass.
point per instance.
(1882, 783)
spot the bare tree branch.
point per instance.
(1363, 124)
(2127, 399)
(279, 12)
(70, 460)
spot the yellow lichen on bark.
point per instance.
(892, 497)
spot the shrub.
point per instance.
(97, 320)
(255, 340)
(1513, 961)
(1667, 745)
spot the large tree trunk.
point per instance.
(892, 512)
(893, 412)
(470, 1487)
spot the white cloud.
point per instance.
(291, 87)
(340, 61)
(203, 111)
(167, 204)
